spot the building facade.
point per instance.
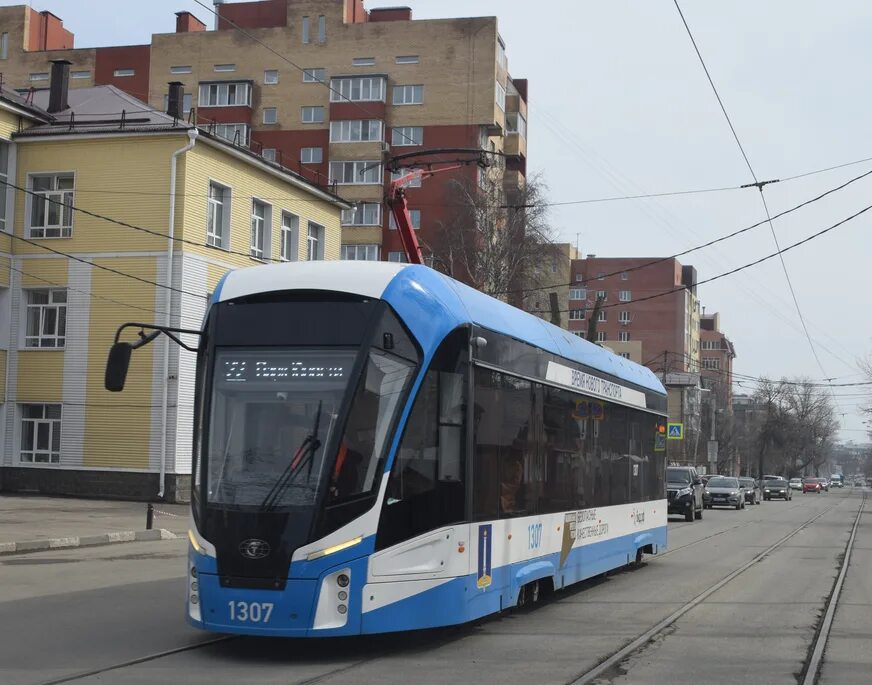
(94, 236)
(717, 353)
(370, 85)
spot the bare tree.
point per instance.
(497, 240)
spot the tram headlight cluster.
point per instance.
(342, 580)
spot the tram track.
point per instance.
(609, 667)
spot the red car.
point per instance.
(810, 485)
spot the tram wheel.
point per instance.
(522, 597)
(534, 592)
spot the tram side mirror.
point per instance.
(117, 365)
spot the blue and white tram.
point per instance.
(380, 448)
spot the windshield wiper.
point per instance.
(304, 455)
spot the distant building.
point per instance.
(716, 354)
(373, 84)
(69, 278)
(551, 284)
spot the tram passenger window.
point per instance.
(563, 452)
(426, 486)
(614, 431)
(638, 465)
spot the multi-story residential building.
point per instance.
(370, 84)
(717, 354)
(551, 281)
(661, 332)
(114, 217)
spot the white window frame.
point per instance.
(349, 172)
(218, 94)
(187, 102)
(407, 136)
(711, 363)
(578, 293)
(181, 69)
(322, 29)
(66, 197)
(290, 237)
(124, 72)
(270, 115)
(414, 183)
(363, 61)
(625, 276)
(601, 336)
(625, 355)
(602, 294)
(397, 257)
(580, 334)
(269, 154)
(39, 76)
(500, 96)
(4, 45)
(314, 112)
(7, 193)
(414, 217)
(228, 132)
(624, 317)
(362, 214)
(218, 240)
(57, 306)
(353, 130)
(306, 26)
(315, 237)
(623, 336)
(625, 295)
(270, 77)
(577, 314)
(259, 243)
(406, 94)
(366, 253)
(406, 59)
(602, 316)
(358, 89)
(80, 74)
(32, 425)
(224, 68)
(314, 75)
(308, 155)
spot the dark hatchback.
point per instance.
(777, 488)
(753, 491)
(684, 492)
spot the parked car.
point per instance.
(723, 491)
(777, 488)
(811, 485)
(684, 490)
(753, 492)
(795, 483)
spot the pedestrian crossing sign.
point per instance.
(675, 431)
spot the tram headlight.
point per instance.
(342, 580)
(342, 609)
(343, 595)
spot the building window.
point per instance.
(358, 89)
(260, 221)
(712, 363)
(408, 95)
(5, 190)
(269, 154)
(270, 77)
(624, 336)
(316, 75)
(412, 183)
(355, 131)
(516, 123)
(501, 96)
(363, 62)
(601, 276)
(625, 296)
(577, 293)
(711, 344)
(80, 74)
(227, 94)
(306, 27)
(501, 54)
(360, 172)
(187, 102)
(406, 59)
(290, 236)
(39, 76)
(224, 67)
(124, 72)
(312, 115)
(414, 217)
(624, 317)
(235, 133)
(322, 28)
(602, 316)
(181, 69)
(399, 257)
(624, 276)
(580, 334)
(407, 135)
(311, 155)
(365, 253)
(270, 115)
(625, 355)
(362, 214)
(576, 314)
(314, 242)
(600, 336)
(46, 318)
(602, 295)
(218, 215)
(4, 45)
(51, 206)
(40, 433)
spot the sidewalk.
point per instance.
(29, 524)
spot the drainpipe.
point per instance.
(192, 139)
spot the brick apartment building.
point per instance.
(662, 332)
(717, 353)
(395, 85)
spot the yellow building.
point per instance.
(105, 193)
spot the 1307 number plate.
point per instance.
(250, 612)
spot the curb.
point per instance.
(26, 546)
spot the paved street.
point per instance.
(85, 610)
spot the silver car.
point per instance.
(723, 491)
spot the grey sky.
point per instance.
(620, 105)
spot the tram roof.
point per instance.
(424, 296)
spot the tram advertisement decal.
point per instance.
(580, 525)
(485, 541)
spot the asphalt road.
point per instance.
(81, 611)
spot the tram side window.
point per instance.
(426, 486)
(613, 434)
(567, 468)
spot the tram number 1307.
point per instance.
(250, 612)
